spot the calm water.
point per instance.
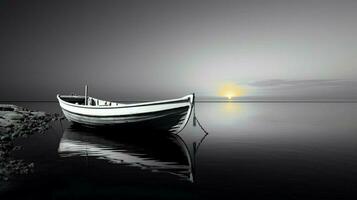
(253, 150)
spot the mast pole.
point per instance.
(86, 95)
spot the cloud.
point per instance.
(316, 89)
(301, 83)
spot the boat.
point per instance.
(166, 115)
(168, 153)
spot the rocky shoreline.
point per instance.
(17, 122)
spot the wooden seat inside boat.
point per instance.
(97, 102)
(80, 100)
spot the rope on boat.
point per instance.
(196, 120)
(199, 124)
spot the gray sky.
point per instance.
(154, 49)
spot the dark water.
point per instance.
(253, 150)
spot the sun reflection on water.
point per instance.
(231, 108)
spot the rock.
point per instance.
(3, 113)
(3, 130)
(4, 123)
(8, 107)
(18, 122)
(15, 134)
(39, 114)
(24, 113)
(5, 138)
(13, 116)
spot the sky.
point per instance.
(161, 49)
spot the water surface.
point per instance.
(253, 150)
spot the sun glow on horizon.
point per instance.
(231, 90)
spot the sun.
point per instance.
(231, 90)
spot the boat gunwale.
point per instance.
(189, 97)
(125, 115)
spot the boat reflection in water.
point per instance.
(164, 152)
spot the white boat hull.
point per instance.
(171, 115)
